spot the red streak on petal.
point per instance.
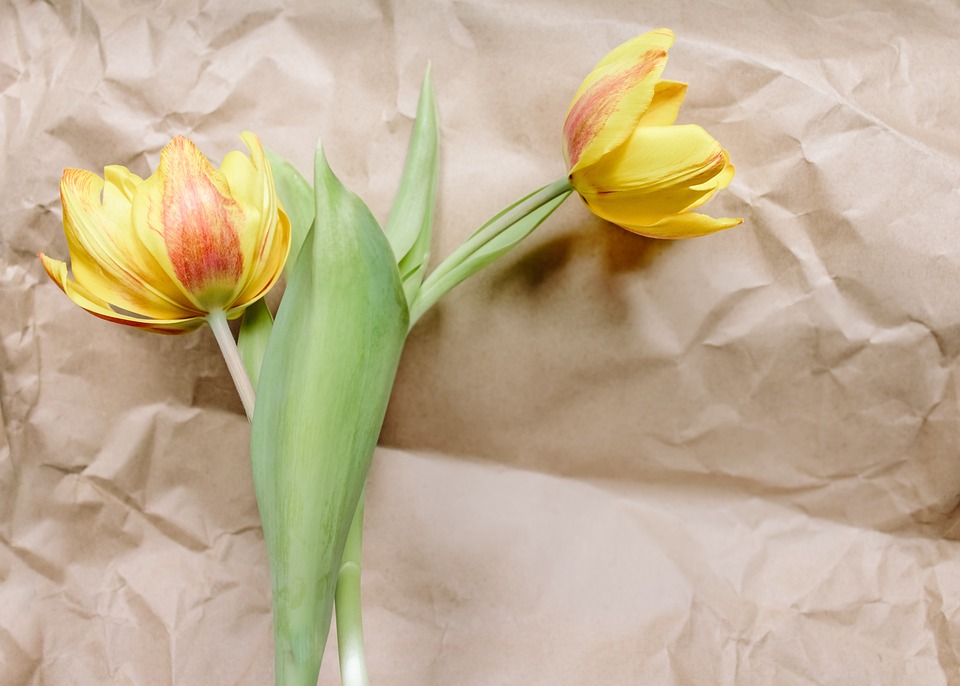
(717, 162)
(594, 107)
(200, 228)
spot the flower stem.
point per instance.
(436, 285)
(353, 667)
(231, 355)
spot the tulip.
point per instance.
(167, 252)
(626, 159)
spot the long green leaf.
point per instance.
(495, 238)
(411, 218)
(298, 202)
(326, 379)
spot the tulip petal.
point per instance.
(266, 244)
(686, 225)
(655, 158)
(269, 267)
(665, 106)
(120, 186)
(105, 255)
(723, 179)
(188, 220)
(249, 187)
(613, 98)
(98, 307)
(641, 207)
(717, 183)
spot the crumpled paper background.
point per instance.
(607, 460)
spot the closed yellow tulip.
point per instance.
(628, 161)
(165, 252)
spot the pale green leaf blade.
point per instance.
(451, 274)
(410, 224)
(298, 202)
(499, 245)
(324, 385)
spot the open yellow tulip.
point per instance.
(165, 252)
(626, 160)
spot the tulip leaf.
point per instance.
(326, 378)
(298, 202)
(495, 238)
(500, 244)
(410, 223)
(252, 341)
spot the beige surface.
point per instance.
(607, 460)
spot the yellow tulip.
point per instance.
(165, 252)
(629, 163)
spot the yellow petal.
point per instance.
(613, 98)
(686, 225)
(645, 207)
(121, 183)
(246, 175)
(723, 179)
(717, 183)
(665, 105)
(655, 157)
(185, 215)
(265, 241)
(105, 255)
(270, 263)
(641, 207)
(96, 306)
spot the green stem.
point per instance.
(353, 668)
(430, 292)
(231, 355)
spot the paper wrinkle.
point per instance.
(823, 601)
(730, 460)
